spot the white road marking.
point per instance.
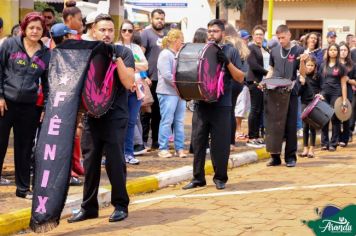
(219, 194)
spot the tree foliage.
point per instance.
(235, 4)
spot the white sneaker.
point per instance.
(164, 153)
(300, 133)
(4, 181)
(181, 154)
(131, 160)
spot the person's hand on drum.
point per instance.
(222, 58)
(3, 107)
(320, 96)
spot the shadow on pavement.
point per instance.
(138, 218)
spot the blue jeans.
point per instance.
(134, 108)
(299, 118)
(172, 109)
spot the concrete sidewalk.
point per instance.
(18, 220)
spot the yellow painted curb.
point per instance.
(142, 185)
(208, 167)
(14, 221)
(262, 154)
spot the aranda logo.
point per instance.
(334, 221)
(341, 226)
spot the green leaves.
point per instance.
(238, 4)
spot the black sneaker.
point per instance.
(324, 148)
(139, 150)
(75, 181)
(27, 195)
(155, 146)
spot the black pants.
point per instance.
(336, 126)
(104, 135)
(23, 118)
(353, 116)
(236, 89)
(308, 130)
(345, 133)
(216, 122)
(256, 111)
(151, 120)
(290, 132)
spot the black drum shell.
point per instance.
(186, 77)
(317, 114)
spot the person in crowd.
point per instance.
(134, 101)
(139, 147)
(313, 47)
(353, 49)
(239, 100)
(108, 133)
(89, 23)
(200, 36)
(348, 39)
(346, 61)
(331, 38)
(310, 85)
(245, 35)
(72, 17)
(333, 75)
(16, 30)
(172, 107)
(23, 65)
(60, 32)
(151, 42)
(215, 118)
(50, 19)
(284, 63)
(254, 77)
(2, 38)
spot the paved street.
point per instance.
(257, 201)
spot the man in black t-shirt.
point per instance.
(284, 63)
(214, 118)
(108, 133)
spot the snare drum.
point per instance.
(318, 113)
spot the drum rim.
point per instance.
(310, 107)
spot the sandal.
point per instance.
(311, 155)
(303, 154)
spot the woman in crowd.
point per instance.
(333, 76)
(231, 36)
(23, 66)
(345, 59)
(254, 77)
(200, 36)
(310, 86)
(172, 107)
(313, 47)
(134, 102)
(72, 17)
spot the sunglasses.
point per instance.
(127, 30)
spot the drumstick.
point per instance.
(310, 52)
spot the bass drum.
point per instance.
(198, 74)
(276, 102)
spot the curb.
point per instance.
(13, 222)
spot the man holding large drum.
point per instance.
(284, 63)
(214, 118)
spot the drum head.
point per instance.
(209, 72)
(342, 116)
(99, 91)
(274, 83)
